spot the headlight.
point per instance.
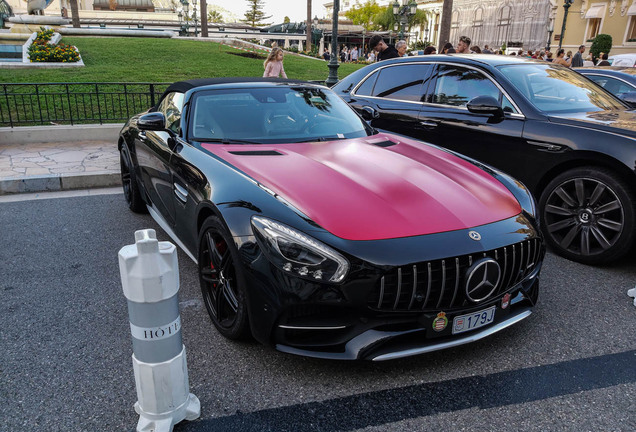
(297, 253)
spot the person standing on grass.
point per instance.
(274, 64)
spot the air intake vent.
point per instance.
(257, 153)
(435, 285)
(384, 143)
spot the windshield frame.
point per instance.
(338, 119)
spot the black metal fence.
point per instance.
(75, 103)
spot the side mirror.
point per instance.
(154, 121)
(369, 113)
(485, 105)
(629, 98)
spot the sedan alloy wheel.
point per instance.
(588, 215)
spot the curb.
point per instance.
(52, 183)
(60, 133)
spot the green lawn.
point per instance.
(124, 59)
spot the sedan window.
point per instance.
(556, 89)
(402, 82)
(457, 85)
(612, 85)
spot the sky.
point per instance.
(296, 10)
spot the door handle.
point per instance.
(430, 124)
(180, 192)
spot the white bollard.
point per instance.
(150, 279)
(632, 293)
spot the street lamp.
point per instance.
(333, 60)
(194, 16)
(566, 6)
(550, 31)
(402, 13)
(186, 25)
(426, 36)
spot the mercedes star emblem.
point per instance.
(482, 279)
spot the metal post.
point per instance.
(566, 6)
(333, 61)
(150, 280)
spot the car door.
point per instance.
(446, 121)
(395, 92)
(154, 151)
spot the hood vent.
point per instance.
(383, 143)
(257, 153)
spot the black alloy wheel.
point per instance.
(129, 182)
(221, 280)
(588, 215)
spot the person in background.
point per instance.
(326, 55)
(541, 55)
(354, 53)
(487, 50)
(447, 46)
(430, 50)
(548, 56)
(384, 51)
(587, 62)
(401, 48)
(274, 64)
(463, 46)
(475, 49)
(568, 56)
(577, 60)
(560, 59)
(604, 61)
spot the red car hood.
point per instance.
(358, 190)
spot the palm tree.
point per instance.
(204, 18)
(308, 25)
(74, 13)
(444, 30)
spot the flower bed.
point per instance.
(43, 50)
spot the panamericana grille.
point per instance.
(439, 284)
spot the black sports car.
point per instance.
(571, 142)
(321, 236)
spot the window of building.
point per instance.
(504, 20)
(478, 25)
(594, 17)
(454, 25)
(630, 36)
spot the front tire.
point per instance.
(222, 280)
(588, 215)
(129, 182)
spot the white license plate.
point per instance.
(473, 320)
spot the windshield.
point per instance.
(266, 115)
(555, 89)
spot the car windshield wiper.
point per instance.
(323, 138)
(228, 141)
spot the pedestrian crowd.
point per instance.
(379, 50)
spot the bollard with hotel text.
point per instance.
(150, 280)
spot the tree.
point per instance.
(444, 30)
(215, 16)
(255, 15)
(365, 15)
(308, 41)
(385, 19)
(203, 9)
(74, 13)
(601, 44)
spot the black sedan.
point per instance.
(321, 236)
(571, 142)
(618, 80)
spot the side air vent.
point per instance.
(257, 153)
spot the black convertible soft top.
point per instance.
(184, 86)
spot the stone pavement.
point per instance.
(68, 159)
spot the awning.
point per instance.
(632, 9)
(595, 11)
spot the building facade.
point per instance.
(588, 18)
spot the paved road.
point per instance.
(65, 349)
